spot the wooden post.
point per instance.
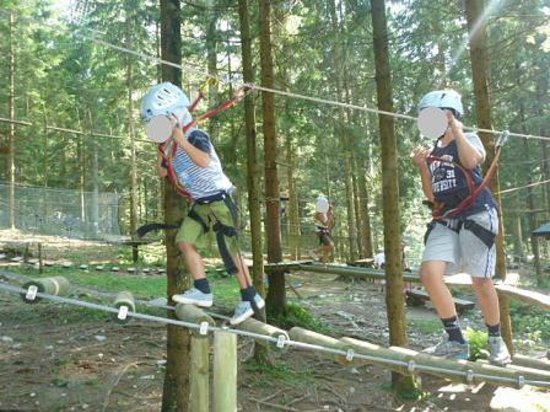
(200, 377)
(40, 261)
(199, 398)
(225, 372)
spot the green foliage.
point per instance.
(296, 315)
(477, 340)
(530, 320)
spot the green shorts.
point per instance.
(193, 232)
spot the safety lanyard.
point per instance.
(474, 191)
(168, 157)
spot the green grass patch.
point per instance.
(296, 315)
(425, 326)
(281, 372)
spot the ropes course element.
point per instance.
(253, 86)
(157, 60)
(515, 378)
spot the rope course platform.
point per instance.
(346, 351)
(460, 280)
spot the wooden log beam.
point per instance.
(255, 326)
(56, 285)
(314, 338)
(529, 296)
(124, 299)
(494, 373)
(522, 360)
(361, 273)
(193, 314)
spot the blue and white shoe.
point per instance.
(194, 297)
(244, 310)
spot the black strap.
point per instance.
(197, 218)
(485, 235)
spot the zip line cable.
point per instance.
(297, 95)
(513, 189)
(282, 341)
(253, 86)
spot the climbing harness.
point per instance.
(474, 191)
(440, 217)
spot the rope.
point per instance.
(513, 189)
(158, 60)
(300, 96)
(411, 366)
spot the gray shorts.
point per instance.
(463, 251)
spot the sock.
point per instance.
(202, 285)
(452, 327)
(248, 294)
(494, 331)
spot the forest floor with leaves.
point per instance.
(59, 358)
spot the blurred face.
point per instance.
(432, 122)
(160, 128)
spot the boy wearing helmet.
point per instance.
(459, 236)
(324, 220)
(197, 167)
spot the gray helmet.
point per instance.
(164, 99)
(443, 99)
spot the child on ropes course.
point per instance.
(463, 230)
(324, 220)
(189, 159)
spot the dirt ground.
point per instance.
(51, 361)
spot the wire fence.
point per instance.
(60, 212)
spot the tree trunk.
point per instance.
(292, 209)
(390, 191)
(175, 396)
(479, 59)
(212, 58)
(365, 218)
(131, 134)
(340, 130)
(11, 134)
(276, 296)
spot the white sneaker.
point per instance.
(498, 352)
(244, 310)
(449, 349)
(194, 297)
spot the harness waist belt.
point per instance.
(212, 198)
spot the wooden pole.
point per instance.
(255, 326)
(225, 372)
(200, 375)
(199, 398)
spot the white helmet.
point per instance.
(164, 100)
(322, 204)
(443, 99)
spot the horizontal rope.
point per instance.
(469, 375)
(514, 189)
(297, 95)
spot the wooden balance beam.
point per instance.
(417, 297)
(459, 280)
